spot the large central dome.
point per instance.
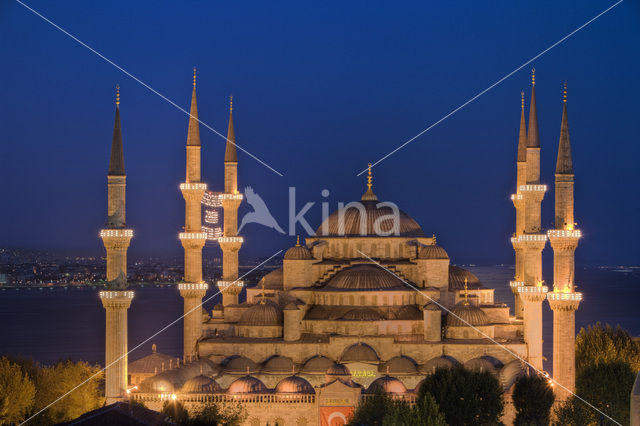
(364, 277)
(347, 222)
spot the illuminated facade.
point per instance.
(332, 326)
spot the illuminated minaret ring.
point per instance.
(564, 300)
(116, 299)
(193, 289)
(230, 242)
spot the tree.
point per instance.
(532, 399)
(572, 412)
(176, 412)
(381, 409)
(372, 410)
(211, 414)
(17, 392)
(465, 397)
(602, 344)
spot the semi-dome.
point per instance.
(278, 365)
(263, 313)
(294, 385)
(317, 312)
(387, 384)
(435, 363)
(338, 370)
(364, 277)
(200, 384)
(347, 222)
(409, 313)
(298, 252)
(359, 352)
(363, 314)
(240, 365)
(400, 365)
(457, 276)
(432, 252)
(247, 385)
(317, 365)
(464, 314)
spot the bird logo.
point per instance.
(260, 214)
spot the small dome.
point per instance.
(278, 365)
(338, 370)
(400, 365)
(157, 384)
(200, 384)
(387, 384)
(463, 315)
(409, 313)
(432, 252)
(317, 312)
(457, 276)
(262, 314)
(359, 352)
(510, 373)
(291, 307)
(240, 365)
(298, 252)
(432, 307)
(273, 279)
(480, 365)
(245, 385)
(435, 363)
(363, 314)
(364, 277)
(294, 385)
(317, 365)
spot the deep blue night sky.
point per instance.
(319, 91)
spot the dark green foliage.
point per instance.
(465, 397)
(532, 399)
(205, 414)
(602, 344)
(176, 412)
(382, 410)
(608, 387)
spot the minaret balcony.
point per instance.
(529, 241)
(236, 239)
(116, 299)
(193, 186)
(533, 293)
(564, 233)
(192, 235)
(116, 233)
(193, 286)
(227, 284)
(564, 301)
(231, 196)
(533, 188)
(116, 294)
(515, 285)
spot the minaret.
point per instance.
(531, 241)
(193, 288)
(116, 300)
(230, 242)
(518, 202)
(564, 300)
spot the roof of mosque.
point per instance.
(338, 370)
(432, 252)
(364, 277)
(317, 365)
(294, 384)
(263, 314)
(362, 313)
(273, 280)
(400, 365)
(387, 384)
(409, 312)
(247, 384)
(347, 221)
(200, 384)
(298, 252)
(239, 364)
(465, 314)
(359, 352)
(480, 365)
(151, 363)
(277, 365)
(457, 276)
(434, 363)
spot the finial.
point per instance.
(262, 301)
(117, 95)
(533, 76)
(369, 179)
(153, 348)
(564, 93)
(387, 370)
(522, 97)
(248, 372)
(466, 291)
(194, 76)
(298, 241)
(433, 240)
(231, 103)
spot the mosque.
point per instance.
(370, 302)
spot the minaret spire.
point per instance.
(193, 132)
(522, 139)
(564, 164)
(230, 154)
(533, 140)
(116, 163)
